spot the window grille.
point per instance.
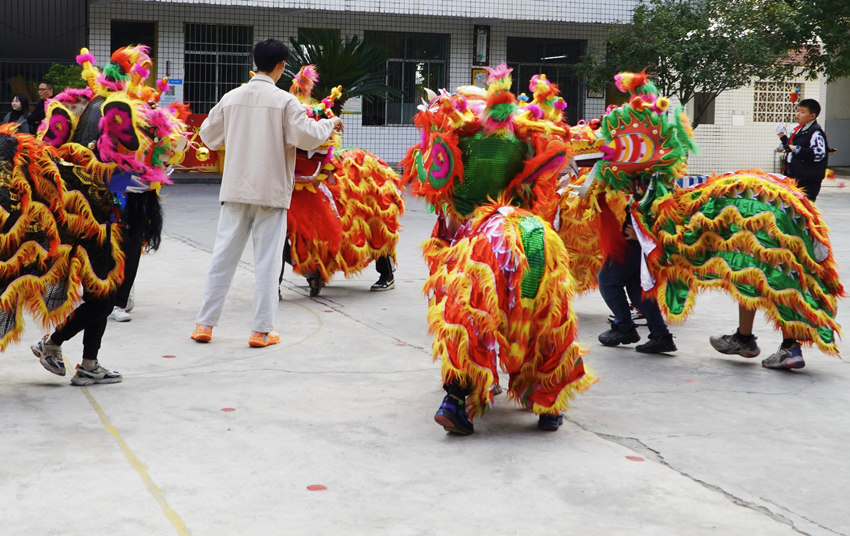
(416, 61)
(554, 58)
(217, 59)
(772, 102)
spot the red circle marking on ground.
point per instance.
(400, 344)
(169, 356)
(692, 381)
(228, 410)
(635, 458)
(316, 487)
(408, 281)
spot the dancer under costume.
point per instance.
(499, 287)
(345, 207)
(749, 233)
(80, 217)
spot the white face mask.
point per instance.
(16, 105)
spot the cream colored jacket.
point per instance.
(261, 125)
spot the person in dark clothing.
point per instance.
(806, 150)
(19, 114)
(619, 278)
(45, 91)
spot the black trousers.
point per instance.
(92, 315)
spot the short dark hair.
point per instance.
(812, 105)
(268, 53)
(46, 83)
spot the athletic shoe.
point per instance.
(202, 333)
(120, 315)
(550, 423)
(786, 358)
(658, 344)
(452, 416)
(731, 344)
(617, 335)
(381, 285)
(98, 375)
(261, 340)
(49, 355)
(316, 284)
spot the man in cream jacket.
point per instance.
(261, 125)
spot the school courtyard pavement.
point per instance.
(331, 431)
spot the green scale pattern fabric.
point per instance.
(489, 165)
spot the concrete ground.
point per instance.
(331, 431)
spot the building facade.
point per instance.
(204, 48)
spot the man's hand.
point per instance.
(338, 126)
(780, 130)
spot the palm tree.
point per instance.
(358, 66)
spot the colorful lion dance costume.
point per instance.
(749, 233)
(345, 206)
(499, 288)
(64, 194)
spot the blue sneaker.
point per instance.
(550, 423)
(452, 416)
(786, 358)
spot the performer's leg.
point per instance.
(269, 234)
(384, 266)
(234, 225)
(612, 279)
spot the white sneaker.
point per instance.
(120, 315)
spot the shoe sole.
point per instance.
(795, 366)
(260, 343)
(662, 351)
(629, 341)
(450, 426)
(381, 289)
(82, 382)
(201, 338)
(749, 354)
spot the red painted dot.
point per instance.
(400, 344)
(228, 410)
(408, 281)
(328, 310)
(691, 380)
(316, 487)
(635, 458)
(169, 356)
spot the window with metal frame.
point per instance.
(416, 61)
(556, 59)
(772, 101)
(217, 59)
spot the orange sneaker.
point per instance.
(261, 340)
(202, 333)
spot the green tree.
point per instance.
(62, 76)
(697, 46)
(356, 65)
(819, 31)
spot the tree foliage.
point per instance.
(820, 30)
(704, 46)
(63, 76)
(356, 65)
